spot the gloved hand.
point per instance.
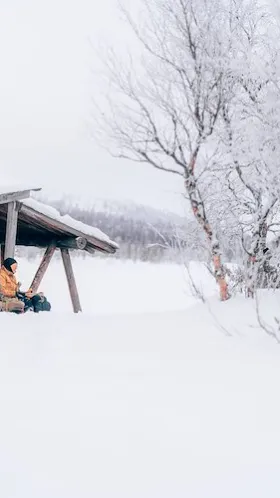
(29, 293)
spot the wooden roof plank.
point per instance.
(55, 226)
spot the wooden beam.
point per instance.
(33, 242)
(14, 196)
(71, 280)
(43, 268)
(11, 230)
(73, 243)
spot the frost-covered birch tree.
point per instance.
(253, 123)
(167, 108)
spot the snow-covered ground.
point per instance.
(171, 400)
(112, 286)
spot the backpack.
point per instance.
(41, 304)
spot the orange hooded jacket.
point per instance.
(8, 283)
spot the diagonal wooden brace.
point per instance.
(43, 268)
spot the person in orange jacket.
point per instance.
(9, 287)
(12, 299)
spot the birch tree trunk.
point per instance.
(200, 215)
(256, 257)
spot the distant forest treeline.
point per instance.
(143, 233)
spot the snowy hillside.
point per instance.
(142, 232)
(111, 206)
(135, 404)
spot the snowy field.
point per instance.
(109, 286)
(148, 394)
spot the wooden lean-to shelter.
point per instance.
(27, 222)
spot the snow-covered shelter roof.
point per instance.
(40, 225)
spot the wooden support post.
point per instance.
(11, 229)
(43, 268)
(2, 253)
(71, 280)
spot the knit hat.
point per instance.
(8, 264)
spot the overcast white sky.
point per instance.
(45, 89)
